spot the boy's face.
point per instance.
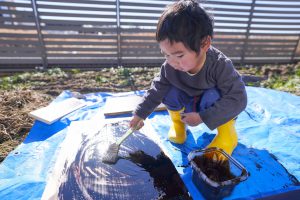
(181, 58)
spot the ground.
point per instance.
(22, 93)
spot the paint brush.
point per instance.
(111, 155)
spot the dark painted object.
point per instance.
(142, 171)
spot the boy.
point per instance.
(197, 82)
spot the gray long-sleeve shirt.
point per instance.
(217, 71)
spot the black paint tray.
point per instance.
(215, 180)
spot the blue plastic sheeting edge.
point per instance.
(269, 135)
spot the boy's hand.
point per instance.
(136, 122)
(191, 119)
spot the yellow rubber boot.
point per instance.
(226, 139)
(177, 132)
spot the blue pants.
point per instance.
(177, 99)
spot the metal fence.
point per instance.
(103, 33)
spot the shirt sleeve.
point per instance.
(154, 96)
(233, 96)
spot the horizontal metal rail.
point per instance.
(91, 34)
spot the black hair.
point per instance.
(187, 22)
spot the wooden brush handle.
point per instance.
(128, 132)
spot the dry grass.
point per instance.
(14, 121)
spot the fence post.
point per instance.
(39, 32)
(295, 49)
(247, 32)
(118, 32)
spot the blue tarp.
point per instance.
(269, 146)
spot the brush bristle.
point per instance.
(111, 155)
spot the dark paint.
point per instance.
(142, 171)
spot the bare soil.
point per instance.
(22, 93)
